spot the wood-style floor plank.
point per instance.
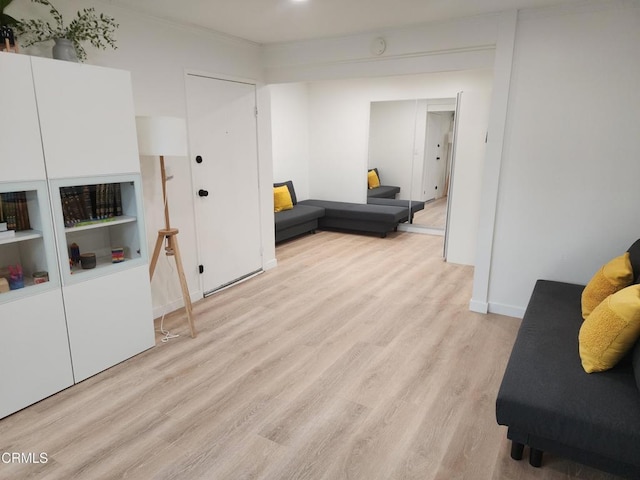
(356, 358)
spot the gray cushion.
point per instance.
(545, 392)
(416, 205)
(289, 185)
(359, 211)
(383, 191)
(298, 214)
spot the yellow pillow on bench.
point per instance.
(372, 179)
(612, 277)
(611, 330)
(281, 199)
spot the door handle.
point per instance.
(203, 193)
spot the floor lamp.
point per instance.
(160, 136)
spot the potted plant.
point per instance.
(87, 25)
(7, 39)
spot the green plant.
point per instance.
(6, 20)
(87, 25)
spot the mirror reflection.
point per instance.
(410, 148)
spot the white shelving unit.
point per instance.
(100, 235)
(35, 361)
(71, 125)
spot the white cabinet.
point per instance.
(20, 145)
(80, 138)
(34, 350)
(108, 307)
(87, 119)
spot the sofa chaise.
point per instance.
(550, 404)
(413, 205)
(359, 217)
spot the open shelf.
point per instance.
(105, 222)
(21, 236)
(96, 215)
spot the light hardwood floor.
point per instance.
(434, 214)
(356, 358)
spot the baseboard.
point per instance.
(478, 307)
(410, 227)
(508, 310)
(175, 305)
(273, 263)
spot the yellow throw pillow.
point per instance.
(611, 330)
(281, 199)
(372, 179)
(612, 277)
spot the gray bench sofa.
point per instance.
(550, 404)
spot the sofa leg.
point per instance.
(535, 457)
(516, 450)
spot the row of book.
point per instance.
(90, 202)
(14, 210)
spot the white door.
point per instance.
(224, 154)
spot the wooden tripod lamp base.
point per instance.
(173, 250)
(166, 136)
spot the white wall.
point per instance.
(290, 126)
(392, 128)
(568, 197)
(157, 53)
(339, 122)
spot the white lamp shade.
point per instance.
(165, 136)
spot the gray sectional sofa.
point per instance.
(309, 215)
(550, 404)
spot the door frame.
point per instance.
(255, 84)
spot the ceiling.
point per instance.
(273, 21)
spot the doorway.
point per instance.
(221, 115)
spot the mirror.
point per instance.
(410, 145)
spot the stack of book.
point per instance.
(84, 203)
(14, 211)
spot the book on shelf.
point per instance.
(7, 234)
(13, 212)
(86, 203)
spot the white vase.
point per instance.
(64, 50)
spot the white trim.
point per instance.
(478, 307)
(411, 228)
(220, 76)
(176, 304)
(493, 157)
(273, 263)
(508, 310)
